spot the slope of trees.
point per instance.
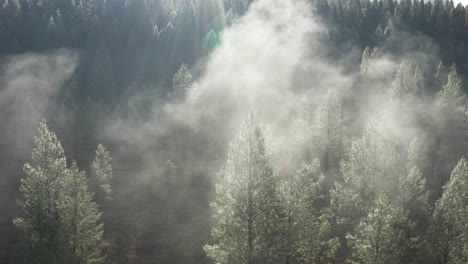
(61, 221)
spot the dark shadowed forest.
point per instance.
(233, 131)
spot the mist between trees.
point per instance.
(233, 132)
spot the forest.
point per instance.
(233, 131)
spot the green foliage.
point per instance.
(408, 83)
(451, 98)
(373, 166)
(329, 133)
(41, 191)
(60, 221)
(80, 218)
(376, 240)
(307, 237)
(246, 205)
(383, 201)
(102, 171)
(449, 229)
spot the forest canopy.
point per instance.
(233, 131)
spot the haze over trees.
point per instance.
(233, 131)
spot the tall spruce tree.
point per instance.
(449, 229)
(328, 135)
(307, 237)
(102, 172)
(80, 218)
(373, 166)
(41, 189)
(246, 205)
(376, 240)
(181, 82)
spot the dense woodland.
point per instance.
(117, 162)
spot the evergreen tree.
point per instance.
(376, 240)
(307, 236)
(451, 99)
(440, 76)
(413, 204)
(449, 229)
(80, 217)
(211, 41)
(367, 63)
(246, 205)
(41, 189)
(60, 219)
(373, 166)
(451, 120)
(181, 82)
(408, 83)
(102, 171)
(328, 135)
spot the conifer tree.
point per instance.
(373, 166)
(80, 218)
(451, 98)
(451, 126)
(102, 171)
(408, 83)
(449, 229)
(328, 135)
(376, 240)
(60, 221)
(307, 237)
(246, 205)
(41, 189)
(182, 81)
(412, 201)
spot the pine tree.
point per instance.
(451, 98)
(307, 236)
(42, 189)
(376, 240)
(451, 125)
(449, 229)
(80, 217)
(412, 202)
(246, 206)
(60, 221)
(373, 166)
(328, 135)
(300, 140)
(408, 83)
(181, 82)
(406, 91)
(367, 63)
(211, 41)
(102, 171)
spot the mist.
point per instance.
(349, 113)
(30, 83)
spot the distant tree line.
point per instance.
(122, 42)
(374, 22)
